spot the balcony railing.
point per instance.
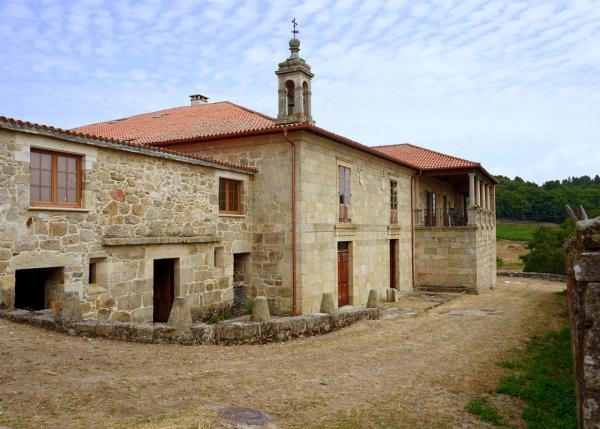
(452, 217)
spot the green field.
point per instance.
(512, 231)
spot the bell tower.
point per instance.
(294, 91)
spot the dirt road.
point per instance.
(407, 372)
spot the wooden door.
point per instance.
(393, 272)
(343, 270)
(164, 289)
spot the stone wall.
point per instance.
(269, 268)
(318, 226)
(224, 333)
(583, 287)
(455, 258)
(369, 232)
(137, 207)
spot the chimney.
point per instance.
(197, 99)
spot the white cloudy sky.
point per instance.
(514, 85)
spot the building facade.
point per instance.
(210, 199)
(126, 227)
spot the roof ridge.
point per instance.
(60, 131)
(132, 116)
(430, 151)
(256, 112)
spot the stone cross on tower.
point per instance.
(294, 91)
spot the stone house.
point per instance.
(329, 214)
(127, 227)
(220, 198)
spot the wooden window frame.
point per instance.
(54, 179)
(227, 201)
(393, 201)
(344, 192)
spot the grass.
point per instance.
(542, 376)
(515, 232)
(486, 413)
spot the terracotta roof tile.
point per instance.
(25, 125)
(181, 123)
(424, 159)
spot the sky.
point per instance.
(514, 85)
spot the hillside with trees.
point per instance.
(520, 200)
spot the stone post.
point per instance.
(260, 310)
(327, 304)
(372, 301)
(69, 310)
(583, 287)
(180, 317)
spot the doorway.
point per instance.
(393, 262)
(38, 288)
(164, 289)
(343, 256)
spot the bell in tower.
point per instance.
(294, 91)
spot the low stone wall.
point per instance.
(224, 333)
(541, 276)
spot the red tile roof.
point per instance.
(429, 160)
(424, 159)
(17, 124)
(222, 120)
(181, 123)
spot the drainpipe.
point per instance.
(412, 226)
(285, 137)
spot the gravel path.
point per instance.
(405, 372)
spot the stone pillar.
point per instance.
(372, 301)
(477, 194)
(471, 190)
(493, 203)
(583, 287)
(260, 310)
(327, 304)
(488, 206)
(299, 101)
(69, 310)
(180, 317)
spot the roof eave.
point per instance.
(304, 126)
(57, 133)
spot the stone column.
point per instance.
(298, 101)
(471, 190)
(488, 206)
(477, 194)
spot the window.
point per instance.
(344, 193)
(230, 196)
(92, 273)
(393, 201)
(55, 179)
(431, 209)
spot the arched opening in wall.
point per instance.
(289, 97)
(38, 288)
(305, 100)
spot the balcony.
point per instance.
(452, 217)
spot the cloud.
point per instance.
(481, 79)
